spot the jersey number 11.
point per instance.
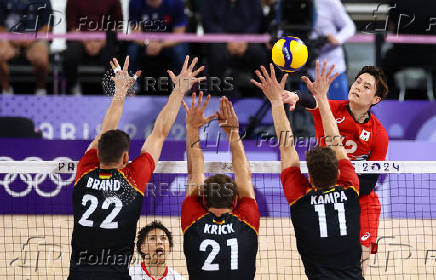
(322, 219)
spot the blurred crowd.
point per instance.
(234, 59)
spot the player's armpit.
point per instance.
(347, 175)
(295, 185)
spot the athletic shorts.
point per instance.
(370, 209)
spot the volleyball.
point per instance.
(289, 54)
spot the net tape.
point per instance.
(257, 167)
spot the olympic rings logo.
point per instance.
(34, 181)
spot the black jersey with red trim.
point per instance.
(107, 205)
(326, 223)
(220, 248)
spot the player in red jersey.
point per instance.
(109, 191)
(325, 208)
(220, 217)
(365, 138)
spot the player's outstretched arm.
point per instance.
(273, 91)
(319, 88)
(241, 167)
(123, 82)
(165, 120)
(194, 121)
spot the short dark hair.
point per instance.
(112, 144)
(322, 165)
(380, 80)
(143, 232)
(219, 191)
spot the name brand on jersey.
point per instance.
(218, 229)
(332, 197)
(104, 185)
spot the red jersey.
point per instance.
(362, 141)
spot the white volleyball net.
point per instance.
(36, 218)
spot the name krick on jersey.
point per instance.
(218, 229)
(104, 185)
(330, 197)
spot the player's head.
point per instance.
(155, 242)
(113, 147)
(322, 165)
(220, 192)
(369, 87)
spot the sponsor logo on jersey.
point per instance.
(340, 120)
(365, 135)
(218, 229)
(365, 236)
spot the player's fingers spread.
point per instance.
(200, 98)
(172, 76)
(283, 81)
(334, 77)
(317, 69)
(185, 64)
(329, 73)
(262, 79)
(324, 65)
(126, 64)
(265, 73)
(196, 72)
(273, 73)
(259, 85)
(185, 106)
(306, 80)
(193, 63)
(207, 101)
(193, 99)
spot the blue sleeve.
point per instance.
(255, 8)
(179, 14)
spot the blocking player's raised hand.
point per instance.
(122, 79)
(195, 115)
(321, 85)
(269, 84)
(227, 117)
(290, 98)
(187, 76)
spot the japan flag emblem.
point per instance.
(365, 135)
